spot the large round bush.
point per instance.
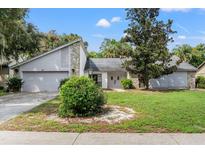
(80, 97)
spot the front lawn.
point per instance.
(173, 111)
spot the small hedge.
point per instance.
(127, 83)
(14, 84)
(80, 97)
(200, 82)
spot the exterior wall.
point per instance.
(75, 59)
(191, 80)
(134, 79)
(104, 80)
(83, 59)
(201, 71)
(50, 62)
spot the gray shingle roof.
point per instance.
(183, 66)
(115, 64)
(104, 64)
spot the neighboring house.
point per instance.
(201, 70)
(183, 78)
(44, 72)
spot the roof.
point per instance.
(46, 53)
(115, 64)
(201, 65)
(183, 66)
(104, 64)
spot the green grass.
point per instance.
(171, 111)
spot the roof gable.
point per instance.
(46, 53)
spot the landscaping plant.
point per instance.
(62, 82)
(80, 96)
(200, 82)
(14, 84)
(127, 83)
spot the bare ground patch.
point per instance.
(111, 114)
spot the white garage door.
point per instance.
(42, 81)
(177, 80)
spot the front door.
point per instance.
(114, 80)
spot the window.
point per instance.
(111, 77)
(118, 78)
(97, 78)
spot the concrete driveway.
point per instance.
(14, 104)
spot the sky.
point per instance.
(96, 24)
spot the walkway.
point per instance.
(9, 137)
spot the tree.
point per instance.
(193, 55)
(93, 54)
(110, 48)
(149, 38)
(184, 52)
(52, 40)
(17, 37)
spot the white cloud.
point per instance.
(201, 38)
(116, 19)
(103, 23)
(181, 37)
(183, 28)
(175, 9)
(98, 35)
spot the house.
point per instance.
(44, 72)
(182, 78)
(201, 70)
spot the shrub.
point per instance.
(2, 88)
(80, 97)
(127, 83)
(200, 82)
(62, 82)
(14, 84)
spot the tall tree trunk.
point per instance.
(146, 83)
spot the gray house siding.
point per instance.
(56, 61)
(44, 73)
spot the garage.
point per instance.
(177, 80)
(42, 81)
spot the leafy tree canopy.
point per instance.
(193, 55)
(52, 40)
(110, 48)
(93, 54)
(149, 37)
(17, 37)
